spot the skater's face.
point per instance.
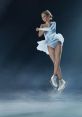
(45, 17)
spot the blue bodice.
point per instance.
(49, 35)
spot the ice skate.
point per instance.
(61, 85)
(53, 81)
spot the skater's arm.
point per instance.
(52, 27)
(42, 29)
(40, 32)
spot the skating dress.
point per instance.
(51, 38)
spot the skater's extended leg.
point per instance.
(51, 54)
(57, 69)
(57, 57)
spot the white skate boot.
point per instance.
(61, 85)
(53, 81)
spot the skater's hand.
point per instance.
(37, 29)
(40, 32)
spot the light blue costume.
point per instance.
(51, 38)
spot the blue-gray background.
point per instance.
(25, 90)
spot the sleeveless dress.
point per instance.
(51, 38)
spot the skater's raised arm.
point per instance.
(43, 29)
(40, 32)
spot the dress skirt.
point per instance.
(43, 44)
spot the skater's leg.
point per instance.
(59, 73)
(57, 56)
(57, 69)
(51, 54)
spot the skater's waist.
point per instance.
(53, 40)
(51, 36)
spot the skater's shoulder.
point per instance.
(53, 22)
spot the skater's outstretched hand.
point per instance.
(40, 32)
(37, 29)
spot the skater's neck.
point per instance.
(48, 23)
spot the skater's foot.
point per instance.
(61, 84)
(53, 80)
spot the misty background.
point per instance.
(25, 72)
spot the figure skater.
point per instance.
(52, 45)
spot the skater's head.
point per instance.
(46, 16)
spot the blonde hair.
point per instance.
(48, 13)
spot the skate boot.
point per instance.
(53, 81)
(61, 84)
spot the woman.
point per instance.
(52, 46)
